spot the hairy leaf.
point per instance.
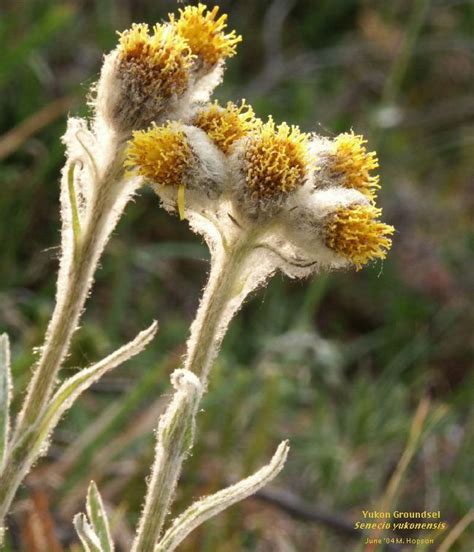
(98, 517)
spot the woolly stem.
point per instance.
(174, 440)
(226, 289)
(81, 249)
(77, 281)
(222, 297)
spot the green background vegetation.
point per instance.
(340, 363)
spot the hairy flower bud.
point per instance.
(144, 77)
(163, 73)
(306, 201)
(161, 154)
(345, 160)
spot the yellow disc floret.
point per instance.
(275, 160)
(353, 162)
(205, 33)
(356, 233)
(161, 154)
(157, 64)
(226, 125)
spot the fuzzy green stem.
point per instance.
(76, 278)
(207, 332)
(210, 324)
(66, 315)
(174, 440)
(14, 470)
(401, 63)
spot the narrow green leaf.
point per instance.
(98, 517)
(5, 395)
(90, 541)
(89, 155)
(68, 392)
(76, 223)
(210, 506)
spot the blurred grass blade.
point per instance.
(90, 541)
(74, 386)
(14, 138)
(5, 395)
(395, 484)
(457, 531)
(98, 517)
(395, 79)
(411, 448)
(210, 506)
(55, 19)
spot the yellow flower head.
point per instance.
(157, 64)
(205, 33)
(226, 125)
(161, 154)
(275, 160)
(352, 160)
(356, 233)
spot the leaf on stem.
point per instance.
(210, 506)
(98, 517)
(75, 385)
(90, 540)
(6, 387)
(76, 223)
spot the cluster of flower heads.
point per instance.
(155, 75)
(311, 198)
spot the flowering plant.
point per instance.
(265, 197)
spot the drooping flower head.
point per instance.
(226, 125)
(157, 63)
(205, 33)
(175, 158)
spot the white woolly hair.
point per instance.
(121, 104)
(79, 140)
(212, 160)
(198, 93)
(205, 181)
(319, 145)
(206, 83)
(320, 148)
(306, 221)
